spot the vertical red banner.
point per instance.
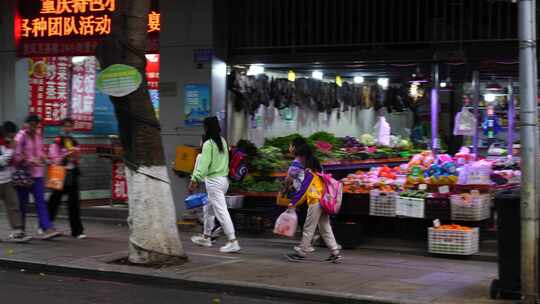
(83, 93)
(152, 71)
(119, 182)
(49, 85)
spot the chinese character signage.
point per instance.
(119, 182)
(49, 83)
(83, 83)
(196, 104)
(72, 27)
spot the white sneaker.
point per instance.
(81, 236)
(231, 247)
(307, 250)
(201, 241)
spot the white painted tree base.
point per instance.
(153, 232)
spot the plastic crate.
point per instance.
(477, 209)
(410, 207)
(454, 242)
(382, 203)
(438, 208)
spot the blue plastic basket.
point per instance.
(196, 200)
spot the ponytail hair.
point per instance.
(302, 148)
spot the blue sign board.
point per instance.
(203, 55)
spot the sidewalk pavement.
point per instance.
(364, 276)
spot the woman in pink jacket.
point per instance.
(30, 156)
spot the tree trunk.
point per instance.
(154, 236)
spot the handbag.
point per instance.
(22, 177)
(56, 177)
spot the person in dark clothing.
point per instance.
(65, 152)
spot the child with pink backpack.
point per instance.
(305, 184)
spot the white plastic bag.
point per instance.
(286, 223)
(465, 123)
(382, 132)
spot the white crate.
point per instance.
(382, 203)
(477, 209)
(454, 242)
(410, 207)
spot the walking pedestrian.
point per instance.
(65, 152)
(303, 185)
(31, 159)
(213, 168)
(7, 192)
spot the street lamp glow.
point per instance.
(317, 75)
(358, 79)
(383, 82)
(255, 69)
(443, 84)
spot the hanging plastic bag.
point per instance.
(286, 223)
(465, 123)
(382, 132)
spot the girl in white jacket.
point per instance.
(8, 195)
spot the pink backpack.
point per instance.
(332, 194)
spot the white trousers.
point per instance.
(217, 207)
(317, 217)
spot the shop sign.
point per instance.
(83, 93)
(71, 27)
(196, 104)
(119, 80)
(119, 182)
(48, 85)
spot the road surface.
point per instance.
(24, 287)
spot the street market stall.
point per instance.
(392, 183)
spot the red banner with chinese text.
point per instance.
(49, 83)
(83, 93)
(72, 28)
(119, 182)
(152, 71)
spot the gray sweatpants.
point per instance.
(8, 196)
(317, 217)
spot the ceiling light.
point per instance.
(489, 97)
(255, 69)
(291, 75)
(339, 81)
(383, 82)
(317, 75)
(358, 79)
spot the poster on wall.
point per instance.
(196, 104)
(83, 92)
(48, 85)
(119, 182)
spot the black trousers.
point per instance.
(74, 206)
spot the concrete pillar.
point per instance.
(13, 71)
(187, 26)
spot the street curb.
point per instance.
(236, 287)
